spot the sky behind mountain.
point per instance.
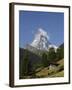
(31, 21)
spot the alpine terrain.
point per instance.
(41, 58)
(41, 42)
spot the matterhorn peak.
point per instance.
(40, 40)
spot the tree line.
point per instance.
(52, 56)
(47, 58)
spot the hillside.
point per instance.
(36, 69)
(42, 63)
(33, 60)
(54, 71)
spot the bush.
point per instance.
(52, 71)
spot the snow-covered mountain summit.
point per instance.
(41, 42)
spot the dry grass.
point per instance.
(58, 72)
(60, 61)
(43, 72)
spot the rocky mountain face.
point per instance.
(41, 42)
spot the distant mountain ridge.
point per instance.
(62, 45)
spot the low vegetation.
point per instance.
(46, 64)
(57, 71)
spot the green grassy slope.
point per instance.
(58, 71)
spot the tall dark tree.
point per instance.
(51, 55)
(44, 59)
(60, 53)
(25, 65)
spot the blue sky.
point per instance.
(51, 22)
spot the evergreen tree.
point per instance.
(44, 59)
(60, 53)
(51, 55)
(25, 65)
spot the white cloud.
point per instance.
(39, 33)
(43, 32)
